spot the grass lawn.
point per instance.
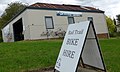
(30, 55)
(111, 52)
(22, 56)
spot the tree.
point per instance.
(111, 26)
(118, 23)
(118, 19)
(10, 12)
(114, 21)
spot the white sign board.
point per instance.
(91, 54)
(72, 46)
(80, 42)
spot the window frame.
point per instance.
(88, 18)
(46, 22)
(73, 20)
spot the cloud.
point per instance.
(4, 4)
(2, 8)
(4, 1)
(111, 7)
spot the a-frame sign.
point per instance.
(80, 42)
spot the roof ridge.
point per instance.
(68, 7)
(45, 3)
(57, 4)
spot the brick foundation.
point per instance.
(104, 35)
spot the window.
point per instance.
(90, 18)
(71, 20)
(49, 22)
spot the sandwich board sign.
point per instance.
(80, 42)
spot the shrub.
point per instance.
(1, 39)
(115, 34)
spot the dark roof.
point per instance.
(65, 7)
(62, 7)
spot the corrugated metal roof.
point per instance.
(64, 7)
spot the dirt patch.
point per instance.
(51, 69)
(48, 69)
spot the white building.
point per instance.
(41, 21)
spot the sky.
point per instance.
(111, 7)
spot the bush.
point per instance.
(118, 34)
(112, 34)
(115, 34)
(1, 39)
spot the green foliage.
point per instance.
(111, 26)
(1, 39)
(118, 18)
(10, 11)
(114, 21)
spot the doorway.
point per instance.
(17, 30)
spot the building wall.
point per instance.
(34, 26)
(9, 37)
(99, 22)
(36, 21)
(5, 33)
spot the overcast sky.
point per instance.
(111, 7)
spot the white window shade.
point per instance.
(71, 20)
(49, 22)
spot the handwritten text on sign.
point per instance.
(71, 41)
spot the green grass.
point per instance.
(30, 55)
(111, 52)
(22, 56)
